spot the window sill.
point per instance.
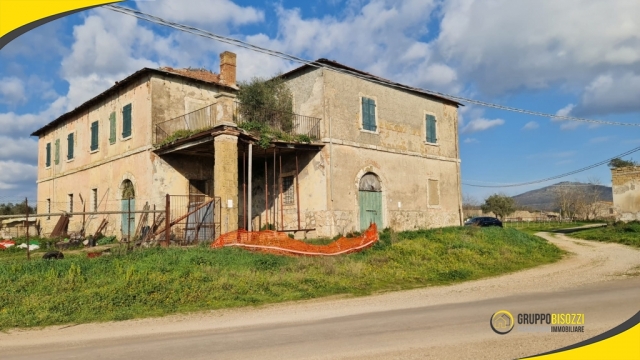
(127, 138)
(370, 132)
(431, 144)
(70, 160)
(434, 206)
(93, 151)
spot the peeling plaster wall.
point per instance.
(103, 169)
(626, 192)
(397, 152)
(153, 99)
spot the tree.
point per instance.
(619, 163)
(499, 204)
(469, 202)
(266, 101)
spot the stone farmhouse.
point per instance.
(358, 150)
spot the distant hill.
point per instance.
(543, 198)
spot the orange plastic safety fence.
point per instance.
(275, 242)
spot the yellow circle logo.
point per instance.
(502, 322)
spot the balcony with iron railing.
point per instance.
(282, 125)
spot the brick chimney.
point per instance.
(228, 68)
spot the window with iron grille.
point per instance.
(288, 190)
(70, 203)
(94, 199)
(48, 208)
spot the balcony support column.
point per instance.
(225, 179)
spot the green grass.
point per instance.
(627, 234)
(534, 227)
(160, 281)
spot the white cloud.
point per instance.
(481, 124)
(471, 141)
(611, 94)
(12, 91)
(215, 14)
(531, 125)
(534, 44)
(567, 124)
(22, 149)
(15, 174)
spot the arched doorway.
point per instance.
(370, 201)
(128, 204)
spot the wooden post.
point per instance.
(244, 191)
(297, 191)
(281, 195)
(274, 189)
(266, 193)
(250, 187)
(167, 221)
(26, 202)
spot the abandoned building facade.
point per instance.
(625, 183)
(358, 150)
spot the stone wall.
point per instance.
(626, 192)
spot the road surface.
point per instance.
(599, 280)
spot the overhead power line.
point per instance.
(285, 56)
(561, 175)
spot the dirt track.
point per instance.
(599, 279)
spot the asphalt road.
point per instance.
(449, 322)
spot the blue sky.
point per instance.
(559, 57)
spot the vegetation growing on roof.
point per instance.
(619, 163)
(266, 110)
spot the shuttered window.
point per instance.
(94, 136)
(48, 157)
(112, 128)
(431, 129)
(368, 114)
(57, 154)
(70, 146)
(126, 121)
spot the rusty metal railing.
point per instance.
(206, 117)
(286, 122)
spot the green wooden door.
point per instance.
(370, 208)
(128, 222)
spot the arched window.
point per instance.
(128, 192)
(370, 182)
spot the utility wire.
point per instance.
(561, 175)
(372, 78)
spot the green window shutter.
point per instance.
(57, 154)
(368, 114)
(431, 129)
(126, 121)
(112, 128)
(94, 136)
(48, 157)
(70, 146)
